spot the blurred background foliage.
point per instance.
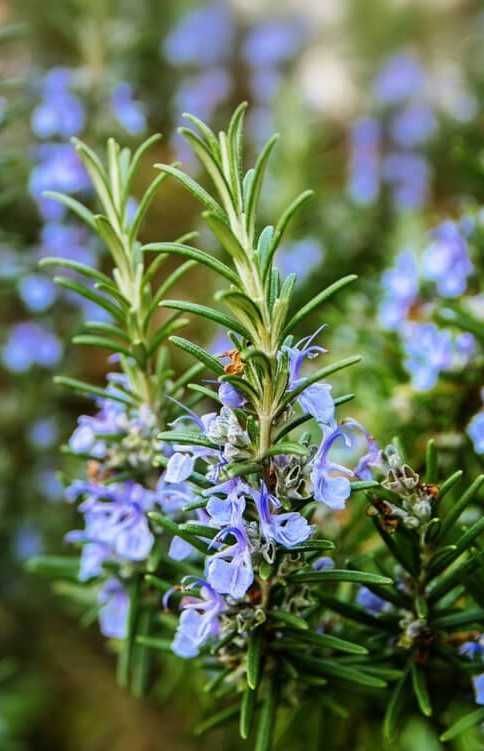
(388, 165)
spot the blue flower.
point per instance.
(199, 620)
(203, 93)
(370, 602)
(113, 613)
(401, 77)
(400, 285)
(364, 178)
(230, 396)
(330, 480)
(30, 344)
(228, 511)
(475, 431)
(474, 650)
(286, 529)
(428, 351)
(408, 174)
(60, 169)
(446, 260)
(229, 571)
(272, 43)
(44, 433)
(129, 112)
(413, 126)
(60, 113)
(37, 292)
(301, 257)
(478, 684)
(316, 399)
(204, 36)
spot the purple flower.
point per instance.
(199, 620)
(129, 112)
(180, 549)
(27, 542)
(37, 292)
(30, 344)
(272, 43)
(229, 571)
(364, 178)
(400, 285)
(60, 113)
(316, 399)
(413, 126)
(478, 684)
(113, 613)
(330, 480)
(324, 563)
(428, 351)
(228, 511)
(446, 260)
(474, 650)
(287, 529)
(475, 431)
(230, 396)
(401, 77)
(179, 467)
(204, 36)
(173, 496)
(370, 460)
(369, 601)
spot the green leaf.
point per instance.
(339, 670)
(281, 228)
(289, 619)
(212, 165)
(459, 619)
(449, 483)
(325, 294)
(431, 462)
(54, 566)
(175, 529)
(247, 711)
(420, 690)
(340, 575)
(103, 302)
(254, 658)
(162, 645)
(135, 161)
(195, 189)
(451, 579)
(394, 709)
(286, 447)
(187, 438)
(196, 255)
(219, 718)
(256, 185)
(124, 659)
(165, 331)
(108, 329)
(328, 641)
(103, 342)
(267, 719)
(210, 362)
(452, 514)
(463, 724)
(75, 206)
(355, 613)
(225, 236)
(464, 542)
(209, 314)
(90, 390)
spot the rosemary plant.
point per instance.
(119, 444)
(257, 605)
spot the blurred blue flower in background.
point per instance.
(400, 285)
(58, 168)
(370, 602)
(37, 292)
(272, 42)
(364, 179)
(27, 542)
(30, 344)
(60, 112)
(413, 125)
(44, 433)
(446, 260)
(401, 77)
(300, 257)
(475, 431)
(129, 112)
(201, 94)
(204, 36)
(113, 613)
(408, 175)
